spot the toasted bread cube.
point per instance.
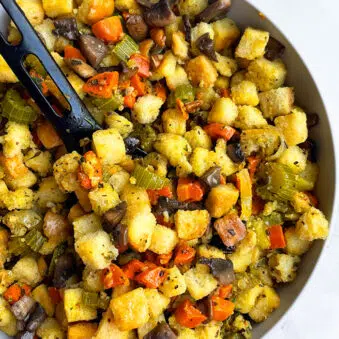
(51, 329)
(85, 224)
(200, 282)
(196, 32)
(130, 6)
(33, 10)
(96, 250)
(82, 331)
(202, 160)
(201, 71)
(147, 108)
(294, 244)
(266, 74)
(192, 7)
(208, 251)
(170, 29)
(295, 158)
(224, 111)
(49, 193)
(221, 200)
(191, 224)
(174, 283)
(157, 302)
(249, 117)
(226, 33)
(75, 308)
(45, 31)
(228, 167)
(222, 82)
(277, 102)
(283, 267)
(312, 225)
(137, 200)
(6, 74)
(27, 180)
(225, 65)
(301, 202)
(166, 68)
(252, 44)
(238, 77)
(55, 8)
(8, 321)
(40, 162)
(103, 198)
(197, 137)
(163, 240)
(245, 93)
(247, 298)
(17, 138)
(130, 310)
(109, 146)
(173, 122)
(180, 45)
(120, 123)
(293, 127)
(26, 271)
(40, 294)
(178, 78)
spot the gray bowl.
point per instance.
(308, 97)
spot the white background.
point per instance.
(312, 26)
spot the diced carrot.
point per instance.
(54, 294)
(15, 292)
(189, 190)
(100, 9)
(224, 93)
(277, 237)
(14, 166)
(164, 259)
(71, 52)
(188, 316)
(142, 63)
(152, 277)
(253, 162)
(154, 195)
(160, 91)
(150, 257)
(132, 268)
(184, 254)
(124, 84)
(257, 204)
(225, 291)
(222, 180)
(109, 29)
(39, 80)
(129, 100)
(221, 308)
(102, 85)
(114, 276)
(47, 135)
(164, 221)
(138, 85)
(216, 131)
(90, 170)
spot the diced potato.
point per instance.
(200, 29)
(26, 270)
(174, 283)
(82, 331)
(197, 137)
(202, 160)
(88, 223)
(283, 267)
(27, 180)
(45, 31)
(277, 102)
(225, 66)
(301, 202)
(226, 33)
(191, 224)
(50, 329)
(109, 146)
(147, 108)
(201, 72)
(245, 93)
(180, 45)
(173, 122)
(92, 280)
(40, 294)
(221, 200)
(252, 44)
(266, 74)
(55, 8)
(312, 225)
(7, 319)
(295, 158)
(191, 8)
(246, 300)
(178, 78)
(224, 111)
(130, 310)
(17, 138)
(96, 250)
(294, 244)
(293, 127)
(208, 251)
(120, 123)
(249, 117)
(157, 302)
(49, 193)
(266, 303)
(6, 74)
(163, 240)
(40, 162)
(103, 198)
(200, 282)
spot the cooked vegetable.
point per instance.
(36, 319)
(220, 268)
(274, 49)
(15, 292)
(184, 254)
(216, 130)
(125, 48)
(109, 30)
(189, 190)
(216, 9)
(245, 186)
(221, 309)
(34, 239)
(146, 179)
(64, 269)
(160, 14)
(187, 27)
(112, 217)
(206, 46)
(93, 49)
(235, 152)
(66, 27)
(162, 330)
(81, 68)
(23, 307)
(211, 178)
(277, 238)
(102, 85)
(113, 276)
(137, 27)
(188, 316)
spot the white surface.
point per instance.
(311, 25)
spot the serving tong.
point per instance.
(76, 123)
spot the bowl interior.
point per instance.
(308, 97)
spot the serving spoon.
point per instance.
(76, 123)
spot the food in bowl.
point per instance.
(179, 218)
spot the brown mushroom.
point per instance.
(222, 269)
(81, 68)
(161, 331)
(160, 14)
(274, 49)
(137, 27)
(66, 27)
(93, 49)
(214, 11)
(206, 46)
(113, 217)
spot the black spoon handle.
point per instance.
(76, 123)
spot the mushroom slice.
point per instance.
(81, 68)
(222, 269)
(214, 11)
(160, 14)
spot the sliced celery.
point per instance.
(146, 179)
(18, 246)
(185, 93)
(273, 219)
(90, 299)
(35, 239)
(56, 254)
(125, 48)
(109, 105)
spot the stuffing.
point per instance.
(55, 8)
(163, 240)
(6, 74)
(103, 198)
(202, 160)
(245, 93)
(173, 122)
(147, 109)
(283, 267)
(197, 137)
(249, 117)
(226, 33)
(295, 158)
(180, 45)
(224, 111)
(294, 244)
(16, 139)
(174, 283)
(201, 71)
(225, 66)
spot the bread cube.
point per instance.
(147, 109)
(45, 31)
(163, 240)
(224, 111)
(55, 8)
(225, 65)
(119, 180)
(103, 198)
(196, 32)
(295, 158)
(208, 251)
(120, 123)
(294, 244)
(40, 162)
(17, 138)
(130, 310)
(130, 6)
(191, 224)
(228, 167)
(33, 10)
(207, 96)
(266, 74)
(249, 117)
(174, 283)
(301, 202)
(238, 77)
(222, 82)
(180, 45)
(293, 127)
(109, 146)
(6, 73)
(49, 193)
(201, 71)
(312, 225)
(246, 299)
(191, 8)
(221, 200)
(245, 93)
(26, 271)
(96, 250)
(175, 26)
(50, 329)
(82, 330)
(27, 180)
(8, 322)
(212, 329)
(173, 122)
(200, 282)
(40, 294)
(157, 302)
(178, 78)
(85, 224)
(283, 267)
(202, 160)
(75, 308)
(197, 137)
(136, 198)
(252, 44)
(226, 33)
(166, 68)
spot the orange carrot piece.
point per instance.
(132, 268)
(109, 29)
(159, 36)
(102, 85)
(277, 237)
(138, 85)
(188, 316)
(15, 292)
(313, 199)
(90, 171)
(221, 308)
(160, 91)
(257, 204)
(47, 135)
(54, 294)
(216, 131)
(225, 291)
(71, 52)
(164, 259)
(129, 100)
(100, 9)
(152, 277)
(154, 195)
(142, 63)
(189, 190)
(222, 180)
(253, 162)
(114, 276)
(184, 254)
(40, 81)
